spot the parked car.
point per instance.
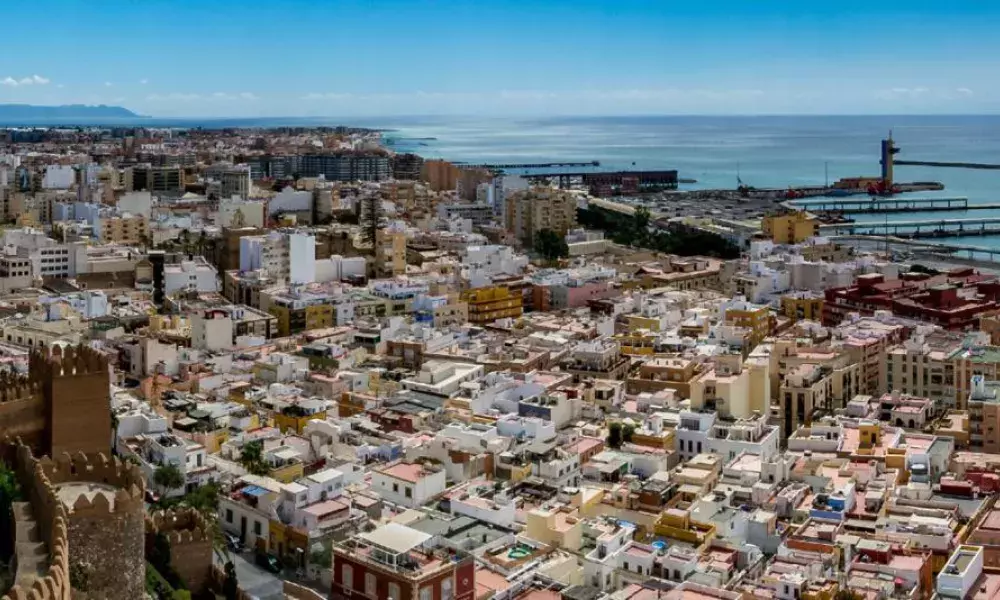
(269, 562)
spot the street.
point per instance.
(257, 582)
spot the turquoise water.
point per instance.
(766, 151)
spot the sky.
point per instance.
(219, 58)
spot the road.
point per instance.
(257, 582)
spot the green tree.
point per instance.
(370, 219)
(640, 227)
(168, 477)
(10, 492)
(230, 586)
(627, 432)
(615, 435)
(204, 499)
(252, 458)
(551, 245)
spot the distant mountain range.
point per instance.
(66, 113)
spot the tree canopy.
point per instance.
(551, 245)
(634, 230)
(168, 477)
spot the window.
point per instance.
(394, 591)
(426, 593)
(229, 515)
(347, 577)
(371, 585)
(256, 528)
(395, 487)
(446, 589)
(625, 565)
(409, 492)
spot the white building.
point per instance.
(58, 177)
(252, 212)
(137, 203)
(301, 259)
(703, 431)
(48, 257)
(443, 378)
(409, 484)
(246, 513)
(212, 331)
(235, 182)
(483, 263)
(190, 275)
(290, 200)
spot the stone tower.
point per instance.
(190, 538)
(75, 384)
(105, 523)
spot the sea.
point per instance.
(717, 152)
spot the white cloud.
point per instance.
(143, 81)
(60, 86)
(33, 80)
(108, 84)
(214, 96)
(173, 96)
(902, 93)
(964, 91)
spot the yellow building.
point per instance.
(491, 303)
(390, 253)
(538, 208)
(293, 420)
(790, 228)
(559, 527)
(802, 306)
(639, 322)
(123, 230)
(296, 315)
(756, 319)
(676, 524)
(287, 472)
(637, 343)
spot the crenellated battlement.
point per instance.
(66, 361)
(190, 537)
(17, 388)
(125, 485)
(180, 526)
(50, 517)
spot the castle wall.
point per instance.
(23, 418)
(106, 535)
(190, 539)
(50, 517)
(78, 394)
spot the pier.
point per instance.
(950, 165)
(602, 183)
(551, 165)
(889, 205)
(942, 247)
(926, 228)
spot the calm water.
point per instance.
(767, 151)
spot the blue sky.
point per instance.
(497, 57)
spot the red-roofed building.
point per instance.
(953, 300)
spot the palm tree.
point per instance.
(252, 458)
(168, 477)
(230, 586)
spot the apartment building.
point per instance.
(154, 179)
(811, 389)
(489, 304)
(538, 208)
